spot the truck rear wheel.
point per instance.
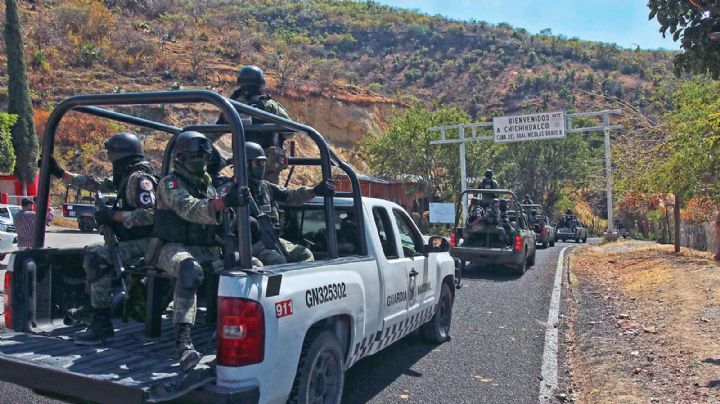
(438, 328)
(521, 267)
(531, 259)
(320, 375)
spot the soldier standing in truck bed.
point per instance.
(251, 91)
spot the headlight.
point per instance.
(3, 227)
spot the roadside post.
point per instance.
(529, 127)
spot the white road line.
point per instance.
(549, 372)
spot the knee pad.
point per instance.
(93, 266)
(190, 274)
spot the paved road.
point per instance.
(495, 355)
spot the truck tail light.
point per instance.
(518, 243)
(452, 239)
(240, 332)
(65, 211)
(544, 231)
(8, 299)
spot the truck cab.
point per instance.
(265, 332)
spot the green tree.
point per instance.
(696, 24)
(7, 152)
(405, 150)
(23, 132)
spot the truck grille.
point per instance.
(11, 228)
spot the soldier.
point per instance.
(527, 200)
(131, 218)
(475, 212)
(251, 91)
(494, 216)
(267, 194)
(187, 220)
(533, 217)
(489, 183)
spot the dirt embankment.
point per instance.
(644, 325)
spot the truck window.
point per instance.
(306, 225)
(4, 213)
(410, 239)
(387, 237)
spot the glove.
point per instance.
(55, 168)
(325, 188)
(236, 197)
(104, 216)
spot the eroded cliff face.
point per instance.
(342, 122)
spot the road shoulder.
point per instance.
(642, 325)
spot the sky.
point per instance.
(624, 22)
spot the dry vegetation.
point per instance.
(644, 325)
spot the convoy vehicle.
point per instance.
(281, 333)
(570, 228)
(8, 237)
(544, 231)
(482, 242)
(83, 209)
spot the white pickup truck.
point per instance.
(269, 335)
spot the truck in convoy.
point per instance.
(539, 222)
(569, 227)
(269, 334)
(83, 209)
(507, 240)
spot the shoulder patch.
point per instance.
(171, 184)
(146, 185)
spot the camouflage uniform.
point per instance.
(138, 214)
(267, 195)
(489, 183)
(191, 200)
(272, 146)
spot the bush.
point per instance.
(88, 55)
(7, 152)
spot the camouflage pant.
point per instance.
(296, 253)
(100, 279)
(169, 259)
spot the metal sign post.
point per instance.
(474, 127)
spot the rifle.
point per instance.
(112, 244)
(228, 240)
(267, 231)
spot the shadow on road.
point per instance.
(712, 361)
(372, 375)
(493, 273)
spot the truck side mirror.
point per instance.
(437, 244)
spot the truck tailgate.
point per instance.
(124, 370)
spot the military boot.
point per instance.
(186, 352)
(98, 331)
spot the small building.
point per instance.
(405, 193)
(11, 189)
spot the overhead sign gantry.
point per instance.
(541, 126)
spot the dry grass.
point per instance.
(645, 324)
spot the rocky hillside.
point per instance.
(339, 65)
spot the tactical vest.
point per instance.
(122, 204)
(265, 203)
(487, 183)
(172, 228)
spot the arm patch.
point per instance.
(145, 193)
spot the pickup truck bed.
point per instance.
(123, 370)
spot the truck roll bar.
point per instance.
(88, 104)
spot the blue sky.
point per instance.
(623, 22)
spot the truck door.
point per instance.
(394, 296)
(421, 281)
